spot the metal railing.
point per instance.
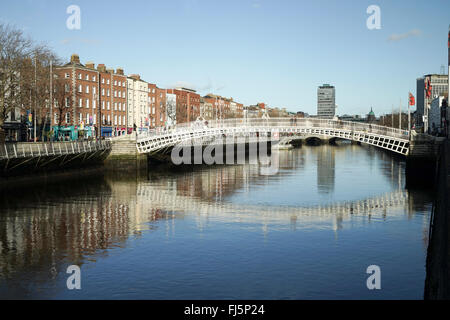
(41, 149)
(274, 123)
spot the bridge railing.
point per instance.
(275, 123)
(40, 149)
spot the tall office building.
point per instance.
(326, 101)
(439, 85)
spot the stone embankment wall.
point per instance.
(124, 155)
(421, 160)
(437, 284)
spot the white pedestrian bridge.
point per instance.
(160, 139)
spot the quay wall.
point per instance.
(437, 284)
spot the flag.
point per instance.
(428, 88)
(412, 100)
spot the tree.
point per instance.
(63, 98)
(24, 75)
(14, 51)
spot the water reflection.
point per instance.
(47, 228)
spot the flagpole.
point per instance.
(35, 96)
(409, 115)
(51, 96)
(392, 117)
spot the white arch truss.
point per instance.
(392, 139)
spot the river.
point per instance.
(307, 231)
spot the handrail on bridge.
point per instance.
(274, 123)
(40, 149)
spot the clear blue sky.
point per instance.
(276, 52)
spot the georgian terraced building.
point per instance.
(187, 104)
(102, 101)
(95, 101)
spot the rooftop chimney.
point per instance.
(135, 76)
(110, 71)
(119, 71)
(75, 58)
(90, 65)
(101, 68)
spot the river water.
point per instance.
(307, 231)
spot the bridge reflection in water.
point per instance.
(56, 226)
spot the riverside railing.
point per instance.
(277, 123)
(42, 149)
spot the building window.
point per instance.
(87, 89)
(107, 92)
(81, 103)
(68, 117)
(79, 76)
(94, 90)
(103, 92)
(80, 88)
(93, 78)
(94, 104)
(87, 103)
(107, 105)
(103, 105)
(107, 81)
(87, 77)
(103, 81)
(67, 76)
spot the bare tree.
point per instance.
(14, 50)
(63, 98)
(24, 75)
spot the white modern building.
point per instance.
(138, 103)
(326, 101)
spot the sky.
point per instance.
(277, 52)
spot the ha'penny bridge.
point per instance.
(279, 129)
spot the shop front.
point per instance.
(121, 131)
(106, 131)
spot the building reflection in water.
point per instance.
(81, 219)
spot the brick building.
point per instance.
(161, 107)
(187, 104)
(112, 99)
(90, 95)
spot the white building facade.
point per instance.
(138, 103)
